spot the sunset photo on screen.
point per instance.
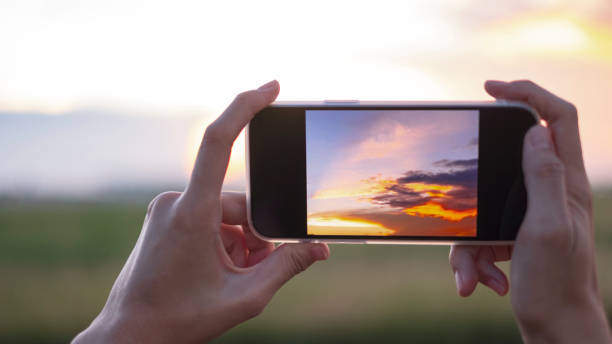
(392, 172)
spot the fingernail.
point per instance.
(458, 281)
(268, 86)
(320, 252)
(539, 137)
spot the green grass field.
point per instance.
(58, 261)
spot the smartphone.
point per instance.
(387, 172)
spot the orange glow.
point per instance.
(435, 194)
(335, 225)
(419, 187)
(430, 189)
(436, 210)
(365, 187)
(378, 185)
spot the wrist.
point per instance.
(119, 327)
(146, 326)
(101, 330)
(581, 322)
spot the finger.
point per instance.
(551, 107)
(285, 262)
(234, 244)
(502, 253)
(462, 259)
(562, 118)
(546, 198)
(234, 208)
(214, 153)
(235, 213)
(258, 249)
(489, 274)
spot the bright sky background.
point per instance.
(187, 59)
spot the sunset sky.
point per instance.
(392, 172)
(185, 60)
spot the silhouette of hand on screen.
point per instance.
(553, 275)
(197, 269)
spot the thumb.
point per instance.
(287, 261)
(545, 182)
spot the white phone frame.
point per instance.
(357, 104)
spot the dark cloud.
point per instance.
(402, 190)
(462, 176)
(458, 204)
(399, 196)
(466, 177)
(463, 193)
(467, 163)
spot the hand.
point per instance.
(197, 269)
(554, 283)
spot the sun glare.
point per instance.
(236, 167)
(551, 34)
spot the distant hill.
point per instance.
(89, 152)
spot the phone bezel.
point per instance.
(392, 240)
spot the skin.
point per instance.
(555, 296)
(197, 270)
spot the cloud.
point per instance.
(450, 195)
(387, 138)
(457, 204)
(419, 202)
(457, 163)
(465, 178)
(400, 196)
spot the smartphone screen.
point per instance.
(405, 173)
(392, 172)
